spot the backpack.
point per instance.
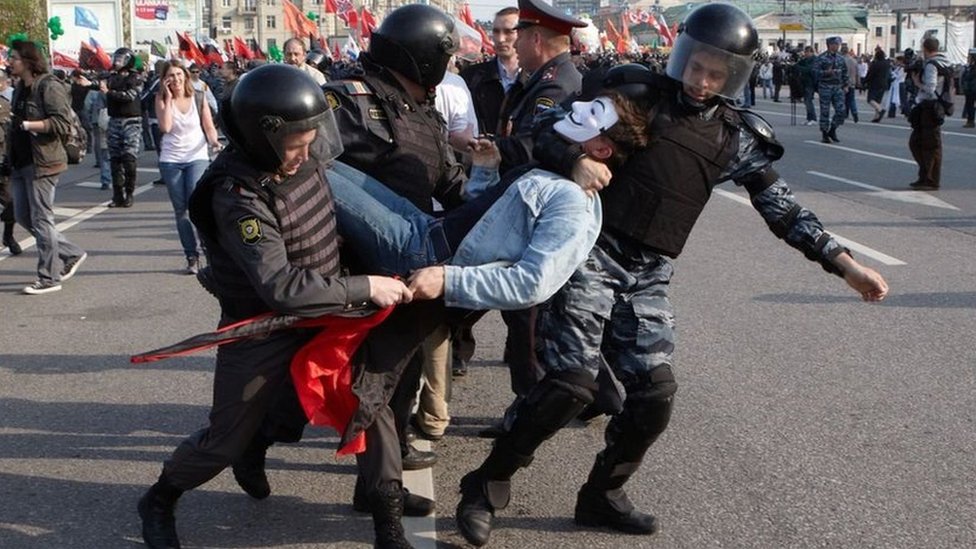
(945, 98)
(75, 142)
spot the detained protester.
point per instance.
(615, 312)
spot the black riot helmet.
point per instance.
(319, 59)
(633, 80)
(123, 59)
(259, 116)
(720, 41)
(417, 41)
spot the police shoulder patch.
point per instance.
(550, 74)
(332, 100)
(355, 87)
(543, 104)
(250, 228)
(376, 113)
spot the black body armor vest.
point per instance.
(124, 109)
(389, 136)
(657, 196)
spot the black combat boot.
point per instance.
(156, 509)
(486, 489)
(602, 501)
(129, 169)
(832, 134)
(413, 505)
(825, 137)
(8, 239)
(386, 504)
(118, 184)
(249, 470)
(549, 406)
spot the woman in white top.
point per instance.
(187, 128)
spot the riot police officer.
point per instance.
(830, 69)
(265, 213)
(122, 90)
(698, 139)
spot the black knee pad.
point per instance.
(647, 409)
(549, 406)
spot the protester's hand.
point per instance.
(103, 86)
(484, 153)
(427, 283)
(385, 291)
(591, 175)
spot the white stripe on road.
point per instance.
(869, 125)
(89, 185)
(865, 153)
(73, 220)
(915, 197)
(421, 531)
(855, 246)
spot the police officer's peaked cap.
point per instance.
(834, 40)
(538, 12)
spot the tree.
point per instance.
(23, 16)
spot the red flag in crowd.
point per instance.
(624, 43)
(241, 49)
(190, 50)
(464, 13)
(297, 22)
(90, 58)
(64, 61)
(612, 35)
(345, 9)
(664, 30)
(213, 54)
(367, 22)
(331, 7)
(336, 54)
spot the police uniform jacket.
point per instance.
(394, 139)
(124, 90)
(271, 246)
(554, 82)
(485, 84)
(830, 69)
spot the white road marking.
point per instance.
(869, 125)
(66, 212)
(855, 246)
(78, 217)
(421, 531)
(916, 197)
(865, 153)
(89, 185)
(148, 170)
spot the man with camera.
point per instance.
(928, 115)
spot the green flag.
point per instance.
(158, 49)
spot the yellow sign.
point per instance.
(792, 26)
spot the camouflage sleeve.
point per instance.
(796, 225)
(129, 91)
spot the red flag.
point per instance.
(464, 14)
(297, 22)
(258, 54)
(240, 47)
(64, 61)
(366, 23)
(331, 7)
(664, 31)
(336, 54)
(352, 19)
(612, 35)
(624, 43)
(190, 50)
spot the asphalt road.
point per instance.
(804, 418)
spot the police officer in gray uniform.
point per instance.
(265, 213)
(830, 70)
(615, 314)
(122, 91)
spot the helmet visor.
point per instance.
(326, 145)
(707, 70)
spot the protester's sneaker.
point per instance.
(40, 287)
(71, 266)
(192, 265)
(811, 123)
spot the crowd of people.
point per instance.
(551, 186)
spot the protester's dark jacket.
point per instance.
(878, 79)
(487, 92)
(46, 100)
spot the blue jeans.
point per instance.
(33, 198)
(386, 231)
(181, 178)
(808, 92)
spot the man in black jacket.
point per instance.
(490, 80)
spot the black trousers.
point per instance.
(926, 143)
